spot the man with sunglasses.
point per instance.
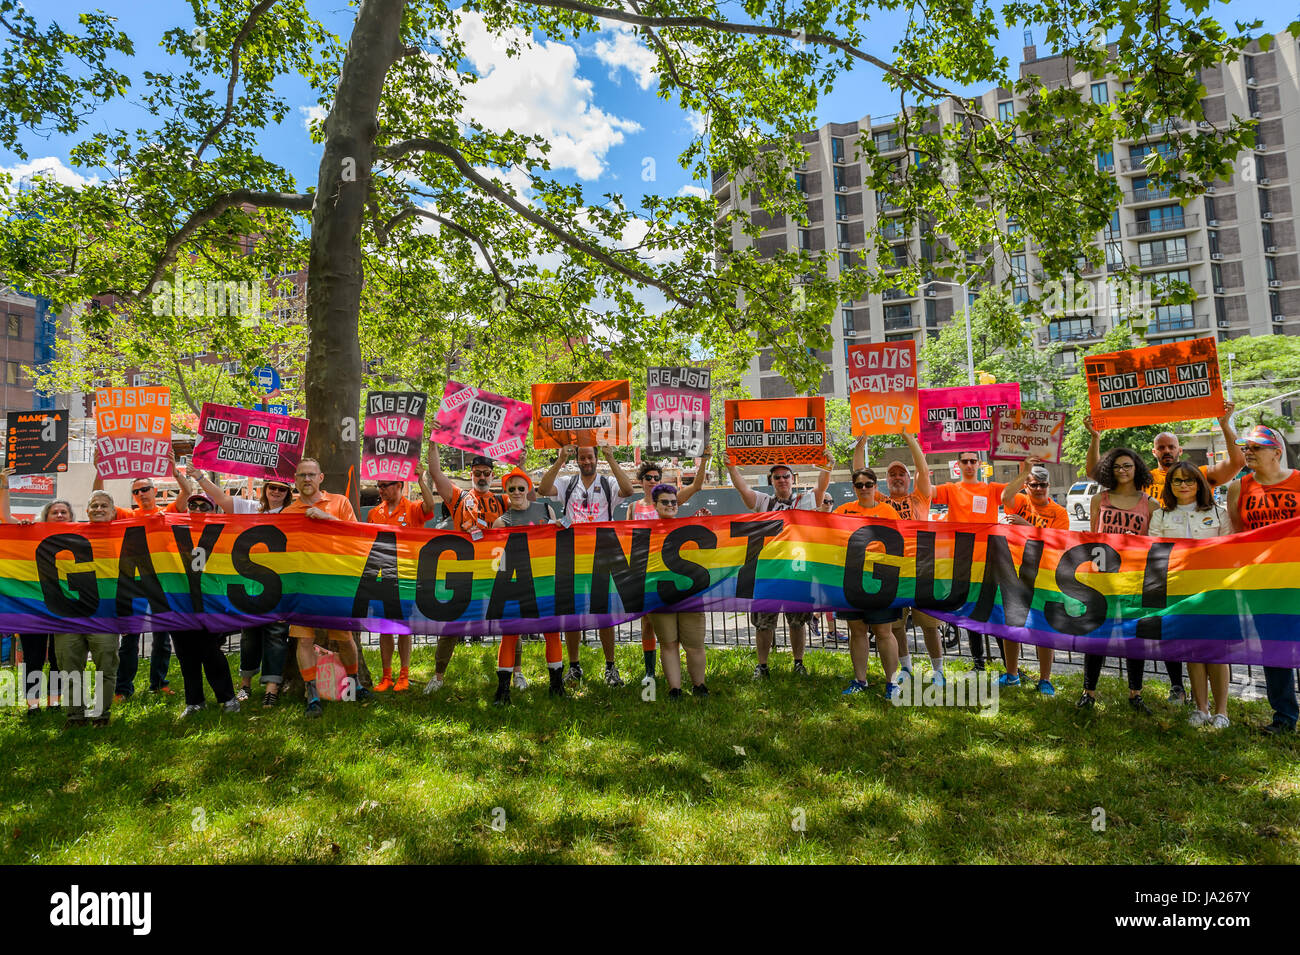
(782, 498)
(395, 507)
(971, 501)
(1269, 493)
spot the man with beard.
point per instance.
(585, 499)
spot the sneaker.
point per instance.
(192, 709)
(761, 672)
(938, 678)
(1178, 695)
(314, 709)
(1009, 679)
(1220, 722)
(434, 685)
(362, 694)
(675, 694)
(242, 694)
(557, 682)
(384, 685)
(611, 675)
(1277, 729)
(799, 669)
(1137, 704)
(231, 705)
(403, 684)
(904, 674)
(891, 690)
(1198, 718)
(1087, 702)
(519, 681)
(700, 690)
(270, 700)
(575, 673)
(1045, 687)
(857, 686)
(165, 690)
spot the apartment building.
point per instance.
(1235, 246)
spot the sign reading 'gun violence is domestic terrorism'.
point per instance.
(882, 388)
(482, 423)
(582, 413)
(37, 442)
(776, 431)
(1174, 382)
(393, 438)
(133, 428)
(252, 443)
(960, 419)
(677, 410)
(1022, 434)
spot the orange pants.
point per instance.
(506, 654)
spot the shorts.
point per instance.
(919, 618)
(310, 633)
(886, 615)
(767, 621)
(684, 628)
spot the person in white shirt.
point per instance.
(588, 498)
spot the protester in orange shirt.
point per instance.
(395, 507)
(314, 501)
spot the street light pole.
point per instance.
(965, 308)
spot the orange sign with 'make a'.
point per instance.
(768, 431)
(1174, 382)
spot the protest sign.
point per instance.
(252, 443)
(582, 413)
(677, 410)
(960, 419)
(768, 431)
(37, 441)
(882, 388)
(1178, 381)
(39, 485)
(393, 437)
(133, 431)
(483, 423)
(1028, 434)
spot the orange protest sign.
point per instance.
(585, 413)
(1174, 382)
(882, 388)
(776, 431)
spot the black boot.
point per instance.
(557, 680)
(503, 688)
(649, 662)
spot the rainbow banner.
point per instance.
(1231, 600)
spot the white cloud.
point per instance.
(694, 191)
(623, 50)
(539, 92)
(312, 114)
(49, 167)
(699, 124)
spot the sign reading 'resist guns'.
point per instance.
(677, 410)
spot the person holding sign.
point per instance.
(782, 498)
(1268, 494)
(395, 507)
(585, 499)
(678, 630)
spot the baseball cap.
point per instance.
(1262, 435)
(897, 464)
(478, 461)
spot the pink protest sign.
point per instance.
(393, 436)
(677, 410)
(961, 419)
(1022, 434)
(133, 432)
(252, 443)
(481, 422)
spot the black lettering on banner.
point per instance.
(1069, 584)
(757, 533)
(855, 559)
(273, 539)
(963, 557)
(185, 546)
(671, 552)
(460, 583)
(514, 583)
(1155, 589)
(82, 582)
(136, 577)
(1000, 574)
(627, 571)
(379, 579)
(565, 599)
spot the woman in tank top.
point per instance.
(1122, 507)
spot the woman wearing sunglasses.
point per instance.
(677, 630)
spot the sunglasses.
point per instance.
(137, 491)
(200, 506)
(860, 485)
(519, 489)
(783, 477)
(968, 461)
(277, 488)
(652, 477)
(1035, 484)
(481, 474)
(666, 503)
(1190, 482)
(383, 484)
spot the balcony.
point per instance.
(1155, 258)
(1133, 166)
(1165, 326)
(909, 322)
(1161, 128)
(1056, 334)
(1149, 194)
(894, 294)
(884, 207)
(888, 144)
(1180, 223)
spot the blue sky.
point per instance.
(596, 100)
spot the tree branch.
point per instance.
(253, 16)
(387, 227)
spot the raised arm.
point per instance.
(547, 486)
(738, 481)
(6, 515)
(923, 485)
(823, 479)
(446, 489)
(1016, 483)
(684, 494)
(860, 453)
(1225, 471)
(183, 485)
(220, 496)
(1234, 513)
(625, 486)
(1094, 449)
(98, 483)
(426, 494)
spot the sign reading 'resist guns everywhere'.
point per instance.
(1174, 382)
(394, 435)
(960, 419)
(677, 410)
(776, 431)
(133, 428)
(251, 443)
(480, 422)
(582, 413)
(882, 388)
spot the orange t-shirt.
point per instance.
(910, 507)
(975, 503)
(1050, 514)
(854, 509)
(1259, 505)
(126, 513)
(468, 507)
(408, 513)
(335, 505)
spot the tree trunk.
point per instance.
(335, 271)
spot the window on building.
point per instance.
(805, 239)
(837, 150)
(841, 205)
(1006, 111)
(1105, 159)
(1270, 268)
(1212, 237)
(1211, 217)
(1221, 309)
(15, 326)
(1020, 269)
(899, 338)
(1249, 63)
(1266, 233)
(1112, 228)
(847, 315)
(842, 232)
(1216, 275)
(1100, 93)
(12, 372)
(838, 174)
(1252, 100)
(1069, 329)
(1169, 317)
(1160, 218)
(1163, 252)
(1265, 203)
(931, 313)
(846, 260)
(1274, 303)
(801, 181)
(1065, 358)
(900, 256)
(886, 142)
(898, 313)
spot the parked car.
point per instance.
(1077, 500)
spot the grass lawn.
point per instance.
(605, 777)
